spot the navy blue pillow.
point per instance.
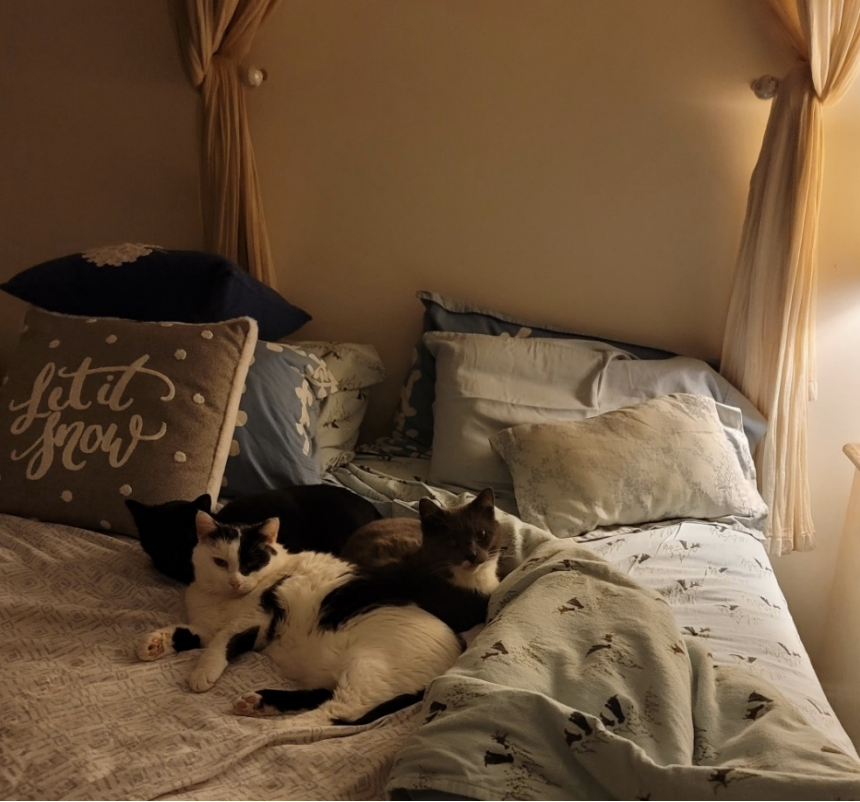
(145, 282)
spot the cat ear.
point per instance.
(269, 529)
(485, 500)
(139, 513)
(135, 507)
(203, 502)
(205, 525)
(427, 508)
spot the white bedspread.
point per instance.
(82, 718)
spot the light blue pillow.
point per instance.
(273, 443)
(413, 425)
(485, 384)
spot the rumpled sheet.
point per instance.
(698, 594)
(583, 686)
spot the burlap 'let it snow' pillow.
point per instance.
(94, 411)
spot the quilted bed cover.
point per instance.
(82, 718)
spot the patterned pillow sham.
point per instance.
(145, 282)
(414, 421)
(94, 411)
(356, 367)
(274, 441)
(675, 456)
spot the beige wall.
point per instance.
(585, 163)
(582, 163)
(96, 134)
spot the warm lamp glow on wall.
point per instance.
(842, 635)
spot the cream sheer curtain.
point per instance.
(769, 345)
(215, 37)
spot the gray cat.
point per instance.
(460, 544)
(446, 562)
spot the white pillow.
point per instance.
(676, 456)
(486, 383)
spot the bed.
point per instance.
(638, 645)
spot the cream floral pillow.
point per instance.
(675, 456)
(357, 367)
(94, 411)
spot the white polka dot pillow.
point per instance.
(94, 411)
(274, 444)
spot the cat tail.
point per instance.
(400, 702)
(270, 702)
(460, 608)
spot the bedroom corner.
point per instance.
(582, 164)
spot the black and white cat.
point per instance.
(355, 657)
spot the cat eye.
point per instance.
(219, 562)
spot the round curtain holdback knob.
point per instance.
(765, 86)
(254, 76)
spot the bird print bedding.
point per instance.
(667, 649)
(582, 670)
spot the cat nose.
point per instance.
(236, 583)
(471, 557)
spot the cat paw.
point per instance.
(249, 704)
(154, 645)
(203, 678)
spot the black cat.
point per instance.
(312, 517)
